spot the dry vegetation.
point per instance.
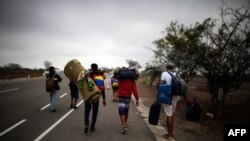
(235, 110)
(22, 73)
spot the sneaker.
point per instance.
(54, 110)
(167, 136)
(124, 130)
(75, 107)
(71, 106)
(86, 129)
(92, 128)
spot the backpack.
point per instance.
(177, 88)
(193, 110)
(114, 82)
(50, 84)
(99, 81)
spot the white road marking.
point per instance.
(12, 127)
(63, 95)
(56, 123)
(9, 90)
(46, 106)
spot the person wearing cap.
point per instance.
(169, 109)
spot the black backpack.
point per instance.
(177, 87)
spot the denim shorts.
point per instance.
(123, 105)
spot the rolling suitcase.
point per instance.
(154, 113)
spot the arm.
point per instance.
(163, 79)
(111, 80)
(59, 78)
(103, 92)
(103, 97)
(103, 74)
(135, 93)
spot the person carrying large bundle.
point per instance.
(98, 77)
(77, 75)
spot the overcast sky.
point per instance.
(106, 32)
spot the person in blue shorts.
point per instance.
(74, 94)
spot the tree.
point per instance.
(154, 70)
(47, 64)
(179, 46)
(132, 63)
(220, 51)
(12, 66)
(225, 57)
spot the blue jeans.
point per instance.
(53, 100)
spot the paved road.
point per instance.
(22, 116)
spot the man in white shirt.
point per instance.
(169, 109)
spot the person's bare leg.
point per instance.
(126, 119)
(169, 126)
(116, 96)
(172, 126)
(123, 120)
(124, 126)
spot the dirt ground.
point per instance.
(235, 110)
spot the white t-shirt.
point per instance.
(165, 76)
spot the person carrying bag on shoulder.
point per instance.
(52, 87)
(98, 78)
(168, 102)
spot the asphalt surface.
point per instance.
(22, 116)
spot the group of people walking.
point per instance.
(122, 92)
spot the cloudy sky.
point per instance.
(107, 32)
